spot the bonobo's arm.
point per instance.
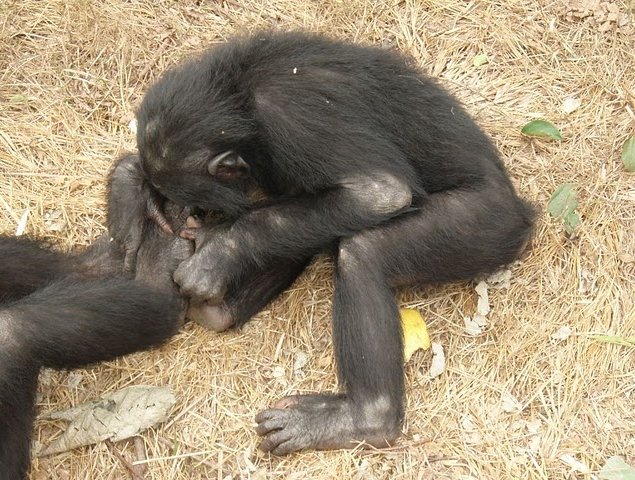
(131, 201)
(293, 229)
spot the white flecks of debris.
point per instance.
(570, 105)
(279, 374)
(575, 464)
(482, 307)
(616, 468)
(54, 221)
(478, 322)
(21, 228)
(475, 325)
(295, 70)
(500, 279)
(437, 366)
(74, 379)
(299, 362)
(132, 126)
(471, 434)
(246, 466)
(563, 333)
(510, 403)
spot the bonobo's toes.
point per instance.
(188, 233)
(324, 422)
(193, 222)
(280, 442)
(286, 402)
(283, 431)
(213, 317)
(211, 296)
(198, 284)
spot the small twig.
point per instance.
(370, 450)
(140, 454)
(154, 59)
(133, 469)
(170, 445)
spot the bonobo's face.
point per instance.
(193, 139)
(189, 169)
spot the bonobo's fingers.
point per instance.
(193, 222)
(155, 213)
(128, 193)
(189, 233)
(191, 229)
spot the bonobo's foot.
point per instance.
(199, 283)
(326, 422)
(205, 275)
(214, 317)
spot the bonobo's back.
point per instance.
(365, 87)
(323, 108)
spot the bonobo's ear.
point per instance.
(228, 167)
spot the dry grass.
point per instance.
(71, 74)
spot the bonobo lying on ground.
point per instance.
(68, 311)
(355, 149)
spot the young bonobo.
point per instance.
(355, 149)
(65, 311)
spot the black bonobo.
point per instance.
(353, 149)
(68, 311)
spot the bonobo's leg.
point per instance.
(18, 382)
(26, 266)
(68, 311)
(294, 229)
(78, 321)
(455, 235)
(70, 323)
(247, 297)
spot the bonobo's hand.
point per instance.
(205, 275)
(131, 202)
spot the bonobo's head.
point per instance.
(195, 141)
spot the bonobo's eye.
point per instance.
(228, 167)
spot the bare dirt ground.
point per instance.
(71, 75)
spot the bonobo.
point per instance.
(355, 149)
(68, 311)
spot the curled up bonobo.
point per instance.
(355, 152)
(69, 311)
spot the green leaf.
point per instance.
(628, 154)
(563, 201)
(480, 60)
(19, 98)
(617, 469)
(570, 222)
(562, 205)
(616, 339)
(541, 129)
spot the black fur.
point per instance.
(354, 147)
(69, 311)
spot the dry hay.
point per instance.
(71, 74)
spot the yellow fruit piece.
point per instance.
(415, 332)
